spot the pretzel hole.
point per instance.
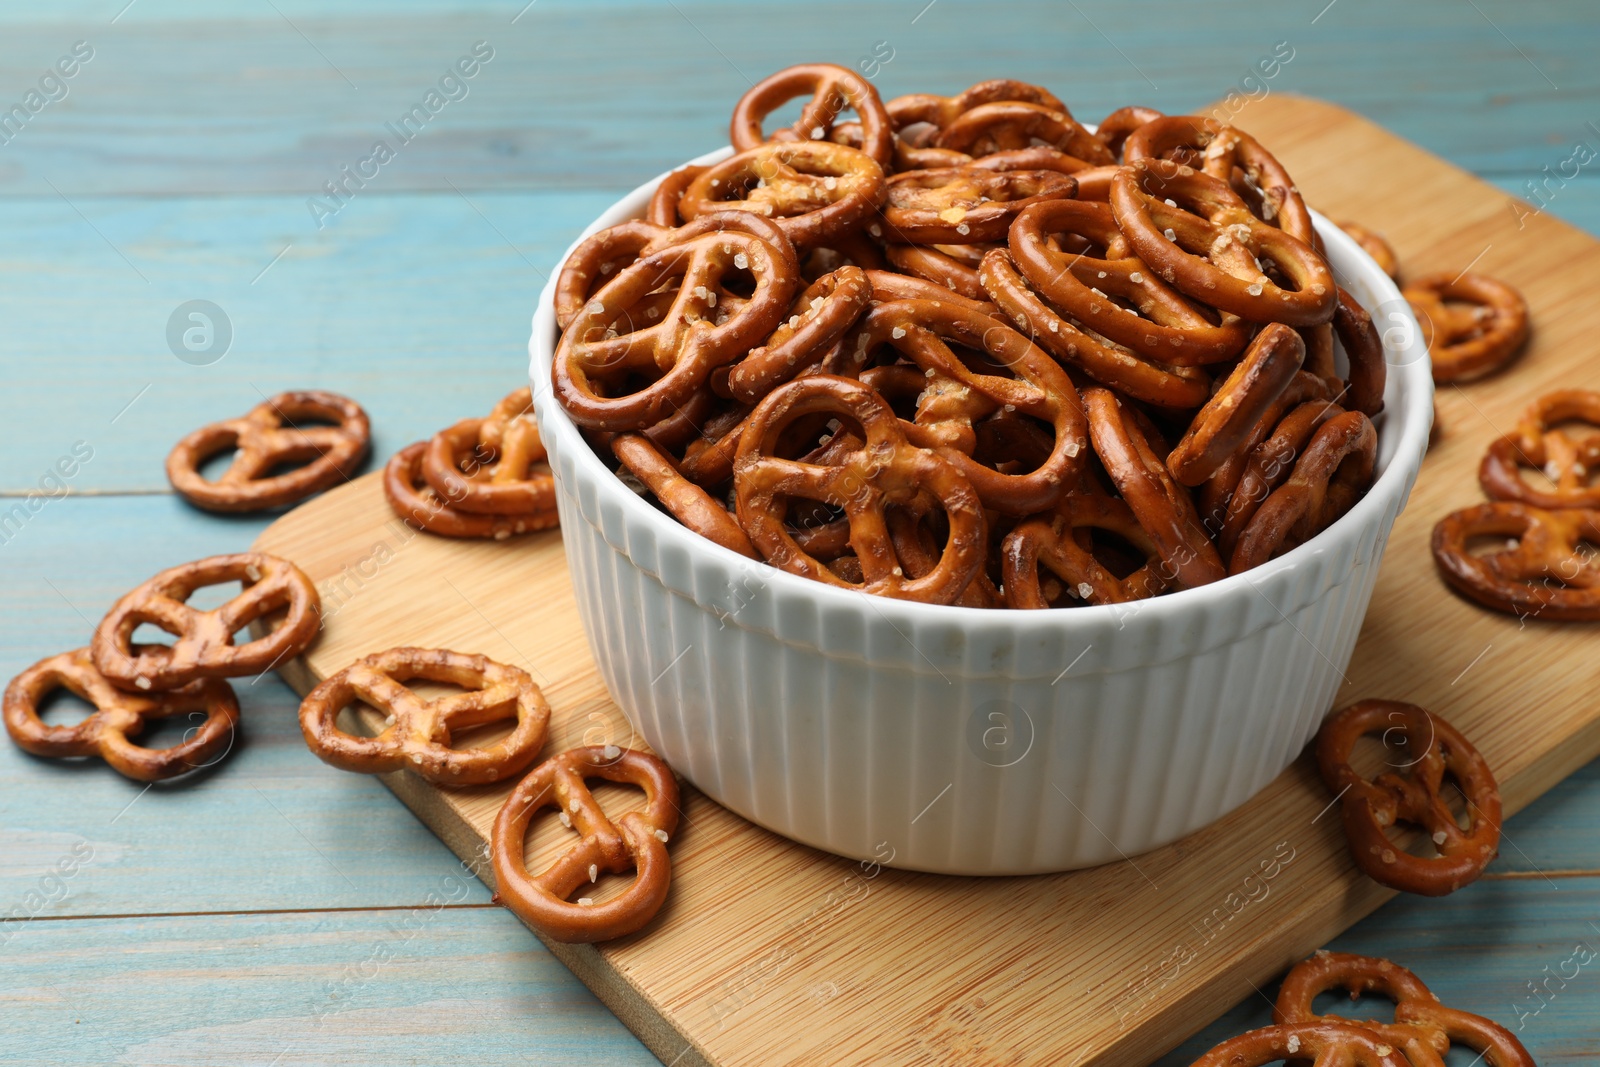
(1115, 553)
(214, 466)
(1369, 1007)
(547, 839)
(62, 707)
(149, 634)
(1489, 544)
(168, 732)
(465, 736)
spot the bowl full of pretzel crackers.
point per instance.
(951, 483)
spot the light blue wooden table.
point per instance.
(278, 911)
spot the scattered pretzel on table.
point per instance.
(486, 466)
(417, 733)
(1424, 1030)
(119, 717)
(1569, 464)
(636, 841)
(203, 645)
(1410, 793)
(1542, 572)
(263, 442)
(415, 501)
(1472, 324)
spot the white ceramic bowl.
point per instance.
(960, 740)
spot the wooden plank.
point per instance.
(755, 925)
(574, 95)
(270, 827)
(423, 985)
(418, 308)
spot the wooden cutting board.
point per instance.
(771, 953)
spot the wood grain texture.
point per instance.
(756, 926)
(187, 99)
(401, 292)
(425, 984)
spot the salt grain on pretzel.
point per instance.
(636, 841)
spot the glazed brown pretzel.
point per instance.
(1122, 438)
(919, 118)
(1216, 243)
(818, 318)
(118, 717)
(1327, 480)
(598, 257)
(1182, 388)
(636, 841)
(941, 111)
(331, 454)
(1219, 429)
(1115, 127)
(966, 205)
(814, 190)
(501, 452)
(1423, 1028)
(679, 352)
(1411, 796)
(1267, 465)
(663, 208)
(832, 89)
(687, 502)
(415, 501)
(1009, 125)
(1037, 386)
(1051, 541)
(937, 264)
(1545, 572)
(1230, 155)
(1328, 1044)
(1161, 324)
(1471, 323)
(887, 470)
(417, 732)
(1218, 490)
(1373, 244)
(204, 645)
(1567, 461)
